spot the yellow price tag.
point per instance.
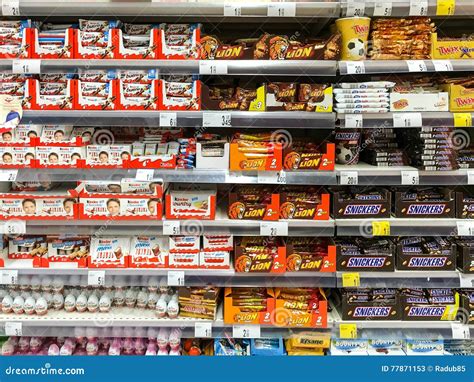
(462, 119)
(451, 311)
(348, 331)
(350, 280)
(445, 7)
(380, 228)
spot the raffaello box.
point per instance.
(109, 252)
(149, 252)
(184, 251)
(131, 200)
(70, 252)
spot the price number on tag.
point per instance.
(171, 227)
(232, 10)
(273, 229)
(96, 278)
(203, 330)
(410, 178)
(168, 120)
(212, 67)
(281, 10)
(175, 278)
(217, 120)
(350, 178)
(246, 331)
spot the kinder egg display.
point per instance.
(41, 306)
(18, 305)
(70, 303)
(93, 303)
(104, 304)
(58, 301)
(81, 303)
(29, 305)
(7, 304)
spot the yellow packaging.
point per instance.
(453, 49)
(460, 97)
(309, 340)
(355, 35)
(306, 352)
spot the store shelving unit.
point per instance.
(400, 66)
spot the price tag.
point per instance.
(14, 227)
(232, 10)
(7, 175)
(442, 65)
(416, 66)
(10, 7)
(348, 331)
(350, 178)
(143, 174)
(273, 228)
(212, 67)
(171, 227)
(382, 9)
(281, 10)
(355, 67)
(350, 280)
(460, 331)
(246, 331)
(175, 278)
(380, 228)
(470, 176)
(410, 178)
(407, 120)
(96, 278)
(462, 119)
(418, 8)
(13, 329)
(352, 121)
(355, 8)
(168, 120)
(203, 329)
(26, 66)
(217, 120)
(272, 177)
(466, 280)
(9, 277)
(445, 7)
(465, 228)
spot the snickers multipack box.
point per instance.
(356, 203)
(429, 202)
(465, 254)
(429, 304)
(426, 254)
(365, 254)
(370, 304)
(467, 304)
(464, 205)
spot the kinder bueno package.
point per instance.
(138, 96)
(108, 252)
(68, 251)
(428, 202)
(357, 202)
(365, 254)
(370, 304)
(198, 202)
(52, 41)
(96, 39)
(149, 252)
(97, 90)
(426, 253)
(133, 201)
(138, 41)
(173, 95)
(14, 156)
(27, 247)
(55, 92)
(179, 41)
(184, 251)
(43, 205)
(215, 252)
(15, 38)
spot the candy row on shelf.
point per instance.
(298, 345)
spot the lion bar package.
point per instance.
(363, 97)
(310, 254)
(259, 254)
(301, 202)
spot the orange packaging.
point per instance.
(260, 255)
(264, 207)
(293, 206)
(288, 314)
(295, 159)
(252, 161)
(235, 314)
(310, 254)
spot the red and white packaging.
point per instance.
(49, 96)
(45, 51)
(97, 95)
(215, 251)
(105, 156)
(138, 52)
(137, 96)
(149, 252)
(179, 41)
(96, 45)
(60, 156)
(68, 252)
(28, 247)
(184, 251)
(183, 102)
(197, 203)
(109, 252)
(17, 156)
(22, 47)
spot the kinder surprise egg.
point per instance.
(130, 298)
(161, 306)
(81, 303)
(162, 351)
(58, 284)
(152, 300)
(174, 352)
(24, 344)
(92, 348)
(7, 304)
(173, 308)
(142, 299)
(104, 303)
(29, 305)
(66, 349)
(35, 283)
(18, 305)
(58, 301)
(140, 346)
(119, 297)
(93, 303)
(70, 303)
(47, 284)
(8, 348)
(3, 293)
(151, 349)
(41, 306)
(49, 299)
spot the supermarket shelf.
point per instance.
(407, 279)
(249, 10)
(192, 277)
(400, 8)
(234, 67)
(388, 176)
(399, 227)
(400, 66)
(178, 176)
(187, 227)
(277, 119)
(385, 120)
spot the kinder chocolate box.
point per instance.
(184, 251)
(68, 251)
(17, 156)
(215, 252)
(27, 247)
(148, 252)
(191, 204)
(60, 156)
(109, 252)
